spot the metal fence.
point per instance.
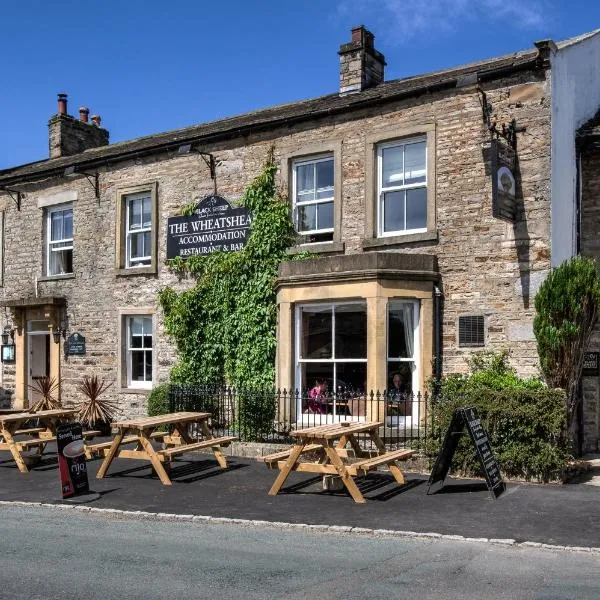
(268, 415)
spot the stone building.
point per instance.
(390, 183)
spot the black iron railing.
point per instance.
(268, 415)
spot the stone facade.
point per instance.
(486, 266)
(590, 246)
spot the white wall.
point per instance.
(575, 100)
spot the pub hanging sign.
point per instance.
(214, 226)
(504, 160)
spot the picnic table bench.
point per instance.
(330, 441)
(39, 437)
(140, 432)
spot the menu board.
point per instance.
(469, 418)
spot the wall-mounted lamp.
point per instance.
(16, 195)
(93, 178)
(6, 333)
(57, 333)
(207, 157)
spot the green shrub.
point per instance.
(525, 420)
(567, 306)
(158, 400)
(525, 427)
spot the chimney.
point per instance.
(69, 136)
(361, 66)
(62, 104)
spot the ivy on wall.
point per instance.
(224, 327)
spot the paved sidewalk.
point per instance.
(561, 515)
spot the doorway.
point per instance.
(38, 355)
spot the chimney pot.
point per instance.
(84, 113)
(96, 120)
(62, 104)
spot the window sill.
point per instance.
(133, 390)
(394, 240)
(136, 271)
(56, 277)
(319, 248)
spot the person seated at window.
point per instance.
(399, 397)
(317, 403)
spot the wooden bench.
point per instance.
(219, 441)
(102, 447)
(91, 433)
(272, 459)
(364, 466)
(23, 444)
(29, 431)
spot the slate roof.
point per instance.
(283, 114)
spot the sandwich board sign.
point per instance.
(469, 418)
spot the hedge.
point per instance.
(158, 400)
(526, 428)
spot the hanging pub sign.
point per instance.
(504, 189)
(591, 363)
(469, 418)
(214, 226)
(75, 345)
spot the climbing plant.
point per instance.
(224, 326)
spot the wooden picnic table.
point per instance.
(37, 437)
(177, 441)
(330, 442)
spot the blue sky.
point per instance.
(153, 65)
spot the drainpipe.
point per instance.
(437, 339)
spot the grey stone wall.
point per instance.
(488, 266)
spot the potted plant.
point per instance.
(95, 412)
(46, 387)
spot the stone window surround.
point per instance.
(120, 237)
(48, 210)
(371, 193)
(333, 147)
(123, 313)
(2, 218)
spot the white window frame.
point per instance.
(306, 161)
(415, 359)
(50, 241)
(142, 261)
(398, 188)
(300, 361)
(146, 384)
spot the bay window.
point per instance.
(331, 353)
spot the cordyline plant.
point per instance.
(95, 409)
(567, 306)
(46, 387)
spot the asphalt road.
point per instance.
(50, 554)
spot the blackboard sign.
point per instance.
(504, 189)
(71, 460)
(591, 363)
(469, 418)
(214, 226)
(75, 345)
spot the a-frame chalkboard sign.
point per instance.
(468, 417)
